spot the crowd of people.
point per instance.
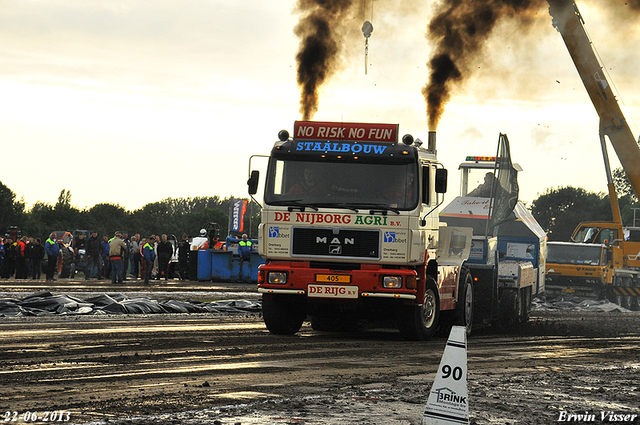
(21, 258)
(117, 258)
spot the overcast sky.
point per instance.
(131, 102)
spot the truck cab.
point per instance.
(624, 241)
(350, 230)
(583, 269)
(507, 260)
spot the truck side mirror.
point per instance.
(608, 255)
(441, 180)
(253, 182)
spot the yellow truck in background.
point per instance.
(592, 270)
(583, 269)
(624, 242)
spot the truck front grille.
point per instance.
(336, 243)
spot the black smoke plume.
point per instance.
(319, 28)
(458, 31)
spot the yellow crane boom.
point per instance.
(568, 21)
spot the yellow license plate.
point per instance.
(333, 278)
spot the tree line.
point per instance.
(176, 216)
(557, 210)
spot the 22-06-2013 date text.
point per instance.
(12, 416)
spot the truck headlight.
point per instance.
(277, 278)
(392, 282)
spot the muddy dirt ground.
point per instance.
(227, 369)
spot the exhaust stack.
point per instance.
(431, 142)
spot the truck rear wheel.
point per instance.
(635, 306)
(525, 304)
(615, 298)
(282, 314)
(509, 308)
(419, 323)
(464, 308)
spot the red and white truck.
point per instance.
(350, 230)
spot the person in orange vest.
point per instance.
(22, 269)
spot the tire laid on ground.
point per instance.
(282, 314)
(464, 309)
(419, 323)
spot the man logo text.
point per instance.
(335, 241)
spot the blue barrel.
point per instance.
(204, 265)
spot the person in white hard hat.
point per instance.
(200, 242)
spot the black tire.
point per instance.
(525, 304)
(635, 306)
(464, 309)
(617, 299)
(420, 322)
(509, 308)
(283, 315)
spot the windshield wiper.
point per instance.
(293, 204)
(377, 207)
(343, 205)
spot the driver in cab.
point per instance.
(402, 190)
(310, 184)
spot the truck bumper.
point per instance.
(365, 281)
(581, 286)
(363, 294)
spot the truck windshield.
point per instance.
(594, 234)
(343, 185)
(574, 254)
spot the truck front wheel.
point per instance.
(419, 323)
(282, 314)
